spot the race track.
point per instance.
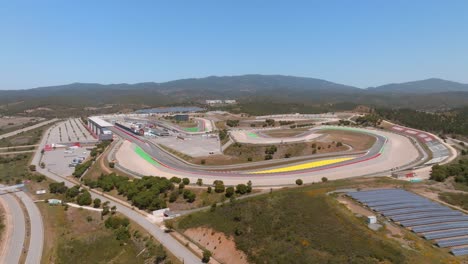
(390, 151)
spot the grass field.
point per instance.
(14, 168)
(79, 236)
(30, 137)
(304, 225)
(191, 129)
(457, 199)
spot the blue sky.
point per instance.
(361, 43)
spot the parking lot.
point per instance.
(69, 131)
(57, 161)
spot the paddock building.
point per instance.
(100, 128)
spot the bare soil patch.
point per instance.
(223, 247)
(358, 141)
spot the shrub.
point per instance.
(229, 191)
(324, 179)
(186, 181)
(299, 182)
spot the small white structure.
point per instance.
(371, 219)
(40, 191)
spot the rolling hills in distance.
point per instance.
(431, 94)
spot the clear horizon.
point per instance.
(362, 44)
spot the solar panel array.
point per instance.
(431, 220)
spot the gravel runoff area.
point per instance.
(69, 131)
(398, 151)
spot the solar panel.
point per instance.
(380, 203)
(460, 251)
(446, 234)
(434, 220)
(399, 218)
(397, 206)
(453, 242)
(437, 227)
(416, 210)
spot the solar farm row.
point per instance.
(433, 221)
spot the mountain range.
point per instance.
(430, 94)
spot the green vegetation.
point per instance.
(305, 226)
(30, 137)
(232, 123)
(452, 122)
(148, 193)
(459, 170)
(457, 199)
(81, 236)
(14, 168)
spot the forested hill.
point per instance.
(308, 93)
(451, 122)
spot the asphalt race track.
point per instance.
(391, 151)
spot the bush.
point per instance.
(339, 144)
(229, 191)
(206, 256)
(175, 180)
(57, 187)
(32, 167)
(299, 182)
(241, 188)
(114, 222)
(219, 186)
(97, 203)
(111, 165)
(186, 181)
(199, 182)
(209, 189)
(72, 192)
(324, 179)
(173, 196)
(84, 198)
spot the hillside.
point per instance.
(305, 93)
(432, 85)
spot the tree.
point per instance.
(199, 182)
(219, 186)
(324, 179)
(173, 196)
(229, 191)
(97, 203)
(84, 198)
(175, 179)
(186, 181)
(241, 188)
(189, 196)
(209, 189)
(112, 164)
(42, 165)
(249, 186)
(299, 182)
(32, 167)
(206, 256)
(72, 192)
(57, 187)
(339, 144)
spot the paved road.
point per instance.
(177, 249)
(16, 132)
(36, 238)
(15, 242)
